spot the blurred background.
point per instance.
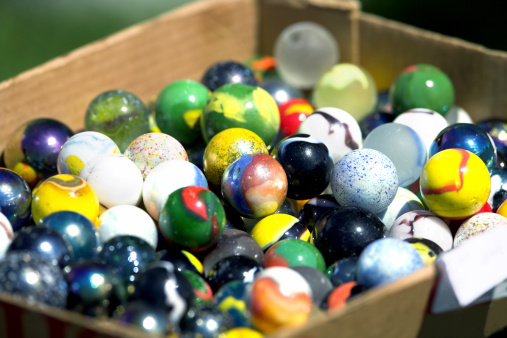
(34, 31)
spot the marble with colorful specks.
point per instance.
(149, 150)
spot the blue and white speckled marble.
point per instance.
(365, 178)
(386, 260)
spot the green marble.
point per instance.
(241, 106)
(422, 86)
(178, 110)
(120, 115)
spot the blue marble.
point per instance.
(15, 198)
(280, 90)
(343, 271)
(43, 241)
(386, 260)
(38, 143)
(77, 229)
(498, 192)
(94, 289)
(226, 72)
(129, 256)
(497, 129)
(469, 137)
(31, 276)
(231, 298)
(365, 178)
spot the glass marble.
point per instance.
(192, 218)
(31, 276)
(497, 129)
(303, 52)
(477, 225)
(233, 243)
(348, 87)
(149, 150)
(149, 318)
(15, 198)
(233, 268)
(336, 128)
(427, 249)
(107, 174)
(468, 137)
(81, 148)
(94, 289)
(128, 256)
(162, 286)
(231, 298)
(386, 260)
(422, 224)
(37, 143)
(403, 202)
(228, 72)
(455, 184)
(294, 252)
(166, 178)
(280, 90)
(43, 241)
(255, 185)
(308, 164)
(78, 230)
(422, 86)
(225, 148)
(345, 232)
(292, 114)
(365, 178)
(315, 208)
(343, 271)
(181, 259)
(319, 283)
(178, 110)
(241, 106)
(279, 296)
(64, 192)
(127, 220)
(120, 115)
(6, 234)
(426, 123)
(498, 187)
(403, 146)
(205, 321)
(277, 227)
(202, 290)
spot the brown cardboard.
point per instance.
(182, 44)
(479, 75)
(394, 310)
(19, 318)
(141, 59)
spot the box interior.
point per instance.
(183, 43)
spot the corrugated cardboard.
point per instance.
(182, 44)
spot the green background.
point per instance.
(35, 31)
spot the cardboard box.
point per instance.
(182, 44)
